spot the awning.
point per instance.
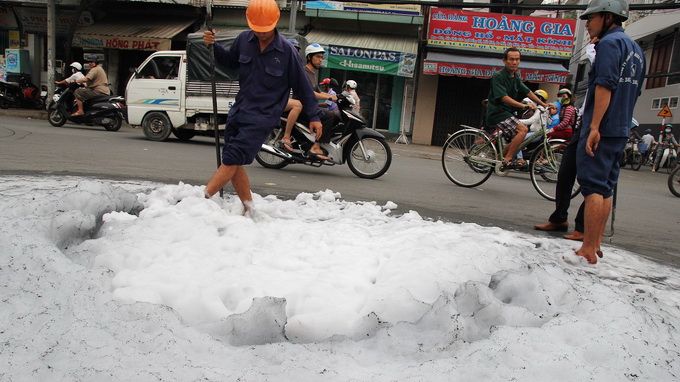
(7, 19)
(131, 33)
(364, 52)
(405, 44)
(449, 64)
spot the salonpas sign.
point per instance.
(369, 60)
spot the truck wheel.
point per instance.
(157, 126)
(184, 134)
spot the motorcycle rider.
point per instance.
(667, 141)
(76, 74)
(314, 53)
(327, 84)
(350, 87)
(97, 84)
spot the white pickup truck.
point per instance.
(163, 98)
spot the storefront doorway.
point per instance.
(375, 91)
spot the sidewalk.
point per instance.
(23, 113)
(398, 149)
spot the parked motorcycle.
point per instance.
(22, 94)
(365, 150)
(105, 110)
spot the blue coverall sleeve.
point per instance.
(228, 58)
(608, 64)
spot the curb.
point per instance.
(24, 113)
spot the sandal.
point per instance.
(285, 146)
(317, 156)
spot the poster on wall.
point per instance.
(14, 39)
(2, 68)
(370, 60)
(495, 32)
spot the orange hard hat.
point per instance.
(262, 15)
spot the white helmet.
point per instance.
(351, 83)
(76, 66)
(314, 48)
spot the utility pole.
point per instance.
(293, 16)
(51, 45)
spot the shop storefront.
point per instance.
(125, 43)
(465, 48)
(383, 67)
(9, 37)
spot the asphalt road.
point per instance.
(647, 215)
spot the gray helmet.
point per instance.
(617, 7)
(91, 58)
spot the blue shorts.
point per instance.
(242, 141)
(599, 174)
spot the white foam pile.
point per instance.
(126, 281)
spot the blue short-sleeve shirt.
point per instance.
(620, 67)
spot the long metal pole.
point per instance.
(211, 50)
(51, 45)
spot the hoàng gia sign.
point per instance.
(495, 32)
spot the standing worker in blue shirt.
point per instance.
(269, 67)
(614, 84)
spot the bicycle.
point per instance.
(674, 181)
(469, 156)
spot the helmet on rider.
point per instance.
(542, 94)
(616, 7)
(325, 81)
(76, 66)
(351, 83)
(334, 83)
(295, 43)
(668, 129)
(564, 91)
(263, 15)
(648, 131)
(313, 49)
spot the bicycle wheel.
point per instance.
(674, 181)
(672, 164)
(543, 169)
(467, 158)
(636, 161)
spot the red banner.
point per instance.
(495, 32)
(483, 71)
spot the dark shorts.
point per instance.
(508, 127)
(599, 174)
(242, 141)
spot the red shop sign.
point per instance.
(485, 71)
(495, 32)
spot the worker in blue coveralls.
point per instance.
(614, 84)
(269, 66)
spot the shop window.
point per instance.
(164, 68)
(655, 104)
(660, 62)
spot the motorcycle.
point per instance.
(365, 150)
(22, 94)
(669, 157)
(631, 155)
(105, 110)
